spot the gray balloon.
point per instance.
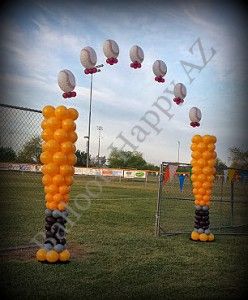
(48, 212)
(197, 207)
(56, 213)
(205, 208)
(48, 246)
(65, 213)
(207, 231)
(59, 248)
(200, 230)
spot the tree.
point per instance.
(127, 159)
(220, 166)
(238, 158)
(31, 151)
(81, 158)
(7, 154)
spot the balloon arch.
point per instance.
(58, 153)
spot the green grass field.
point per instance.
(114, 251)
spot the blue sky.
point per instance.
(39, 38)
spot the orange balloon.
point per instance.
(59, 158)
(53, 123)
(193, 147)
(208, 192)
(202, 203)
(51, 205)
(69, 180)
(71, 159)
(211, 147)
(193, 177)
(211, 162)
(53, 189)
(46, 157)
(207, 170)
(193, 162)
(66, 198)
(196, 154)
(41, 255)
(48, 111)
(197, 184)
(195, 191)
(207, 139)
(207, 185)
(198, 197)
(58, 180)
(72, 113)
(47, 179)
(207, 155)
(46, 189)
(47, 135)
(213, 139)
(206, 198)
(201, 162)
(49, 197)
(60, 135)
(201, 191)
(44, 124)
(214, 155)
(51, 169)
(196, 170)
(61, 112)
(201, 147)
(64, 255)
(196, 139)
(52, 256)
(51, 146)
(196, 202)
(72, 136)
(62, 206)
(58, 198)
(207, 203)
(64, 189)
(68, 125)
(68, 148)
(66, 170)
(201, 177)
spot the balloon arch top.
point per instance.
(88, 58)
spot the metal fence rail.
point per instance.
(175, 208)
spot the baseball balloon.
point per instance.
(180, 91)
(88, 57)
(159, 68)
(195, 114)
(66, 81)
(110, 49)
(136, 54)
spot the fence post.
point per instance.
(232, 201)
(160, 186)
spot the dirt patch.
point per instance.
(27, 252)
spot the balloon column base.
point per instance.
(178, 100)
(135, 65)
(195, 124)
(201, 237)
(159, 79)
(112, 60)
(52, 256)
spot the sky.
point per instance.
(40, 38)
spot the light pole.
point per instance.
(99, 128)
(178, 149)
(88, 136)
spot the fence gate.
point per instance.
(175, 207)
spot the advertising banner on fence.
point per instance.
(91, 171)
(134, 174)
(112, 172)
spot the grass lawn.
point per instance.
(115, 252)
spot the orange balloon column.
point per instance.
(203, 171)
(58, 158)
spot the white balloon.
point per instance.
(88, 57)
(136, 54)
(195, 114)
(180, 91)
(159, 68)
(110, 49)
(66, 81)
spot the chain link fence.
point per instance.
(175, 208)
